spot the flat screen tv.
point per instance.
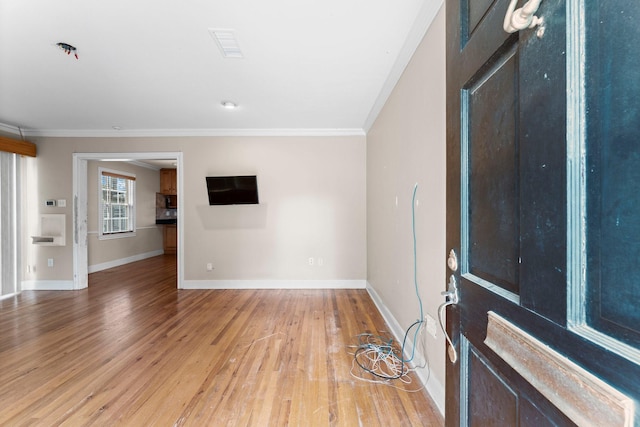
(232, 190)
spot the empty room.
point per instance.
(304, 213)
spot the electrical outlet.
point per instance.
(311, 261)
(431, 325)
(209, 266)
(50, 262)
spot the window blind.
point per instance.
(8, 223)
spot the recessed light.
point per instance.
(229, 105)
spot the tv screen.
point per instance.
(232, 190)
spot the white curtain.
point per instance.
(9, 164)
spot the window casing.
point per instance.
(9, 223)
(116, 204)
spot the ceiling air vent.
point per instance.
(226, 40)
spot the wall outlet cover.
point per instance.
(431, 325)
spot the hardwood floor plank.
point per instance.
(134, 350)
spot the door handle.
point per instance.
(522, 18)
(451, 298)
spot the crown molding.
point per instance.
(124, 133)
(14, 130)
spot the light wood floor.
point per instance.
(133, 350)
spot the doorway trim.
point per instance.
(80, 203)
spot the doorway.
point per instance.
(80, 203)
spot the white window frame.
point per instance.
(10, 230)
(131, 198)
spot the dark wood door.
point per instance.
(543, 214)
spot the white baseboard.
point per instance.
(122, 261)
(7, 296)
(274, 284)
(432, 385)
(47, 285)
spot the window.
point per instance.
(9, 181)
(116, 204)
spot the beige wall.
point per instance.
(405, 146)
(148, 238)
(48, 176)
(312, 193)
(312, 204)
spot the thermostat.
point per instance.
(50, 203)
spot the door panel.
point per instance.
(511, 201)
(488, 106)
(496, 401)
(475, 11)
(493, 401)
(613, 179)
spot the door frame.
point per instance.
(80, 202)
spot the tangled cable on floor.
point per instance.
(380, 358)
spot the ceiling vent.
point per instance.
(226, 40)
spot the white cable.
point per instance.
(453, 354)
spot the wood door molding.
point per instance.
(581, 396)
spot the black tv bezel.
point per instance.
(251, 198)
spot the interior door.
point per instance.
(543, 214)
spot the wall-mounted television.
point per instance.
(232, 190)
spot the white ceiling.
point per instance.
(151, 67)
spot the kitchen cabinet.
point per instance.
(168, 181)
(168, 187)
(170, 239)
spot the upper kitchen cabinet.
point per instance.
(168, 181)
